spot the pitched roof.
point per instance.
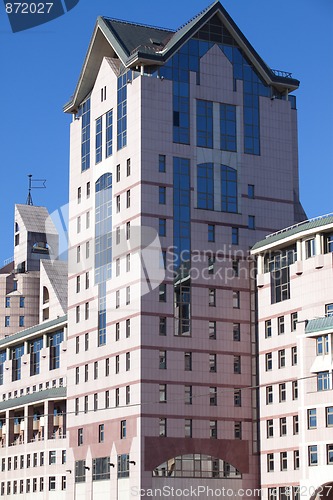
(36, 219)
(34, 397)
(136, 44)
(57, 271)
(319, 324)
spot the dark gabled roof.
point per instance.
(136, 44)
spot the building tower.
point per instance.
(295, 313)
(174, 139)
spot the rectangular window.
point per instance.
(52, 458)
(162, 427)
(128, 328)
(122, 111)
(85, 135)
(236, 299)
(268, 361)
(22, 299)
(204, 124)
(212, 329)
(86, 373)
(52, 483)
(117, 203)
(123, 466)
(21, 321)
(163, 393)
(80, 436)
(162, 195)
(329, 310)
(282, 392)
(108, 133)
(101, 433)
(234, 236)
(280, 321)
(95, 401)
(128, 361)
(310, 248)
(250, 191)
(312, 418)
(283, 460)
(238, 430)
(162, 325)
(162, 360)
(213, 429)
(118, 173)
(205, 186)
(296, 459)
(269, 394)
(269, 428)
(322, 344)
(188, 427)
(323, 381)
(80, 471)
(117, 396)
(281, 358)
(107, 399)
(188, 394)
(117, 358)
(270, 462)
(128, 230)
(212, 363)
(128, 198)
(96, 370)
(329, 416)
(251, 222)
(123, 429)
(268, 328)
(86, 404)
(162, 292)
(293, 321)
(213, 396)
(162, 227)
(329, 454)
(79, 194)
(98, 140)
(117, 299)
(294, 355)
(228, 133)
(237, 364)
(188, 361)
(212, 297)
(127, 394)
(128, 295)
(294, 389)
(101, 468)
(313, 455)
(283, 426)
(161, 163)
(128, 167)
(86, 341)
(88, 190)
(211, 233)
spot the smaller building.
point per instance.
(295, 329)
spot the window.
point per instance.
(7, 320)
(63, 482)
(85, 135)
(237, 397)
(313, 455)
(310, 248)
(329, 310)
(212, 363)
(52, 458)
(117, 396)
(128, 361)
(123, 466)
(128, 328)
(229, 189)
(107, 399)
(86, 311)
(322, 344)
(237, 364)
(128, 198)
(162, 360)
(294, 355)
(117, 331)
(282, 392)
(80, 436)
(161, 163)
(295, 425)
(117, 299)
(211, 233)
(22, 300)
(296, 459)
(188, 394)
(78, 254)
(128, 295)
(162, 325)
(52, 483)
(118, 173)
(163, 393)
(238, 430)
(250, 191)
(213, 396)
(122, 429)
(128, 230)
(282, 358)
(329, 243)
(117, 364)
(251, 222)
(280, 321)
(234, 235)
(79, 194)
(88, 190)
(86, 373)
(80, 471)
(268, 361)
(162, 427)
(213, 429)
(212, 297)
(269, 394)
(117, 203)
(205, 186)
(329, 416)
(188, 361)
(270, 462)
(128, 166)
(212, 329)
(78, 224)
(162, 292)
(204, 123)
(162, 227)
(323, 381)
(188, 427)
(77, 314)
(101, 468)
(87, 280)
(21, 321)
(128, 262)
(162, 195)
(312, 418)
(236, 299)
(329, 454)
(95, 401)
(269, 428)
(228, 133)
(294, 388)
(211, 263)
(293, 321)
(268, 328)
(127, 394)
(108, 133)
(86, 341)
(283, 460)
(283, 426)
(96, 370)
(63, 457)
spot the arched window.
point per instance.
(46, 296)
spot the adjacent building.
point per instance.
(295, 327)
(189, 139)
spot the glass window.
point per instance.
(295, 425)
(188, 394)
(269, 428)
(123, 466)
(85, 135)
(101, 433)
(123, 429)
(322, 344)
(236, 299)
(268, 361)
(312, 418)
(213, 396)
(212, 329)
(80, 471)
(313, 455)
(212, 297)
(280, 325)
(251, 222)
(250, 191)
(296, 460)
(234, 236)
(188, 361)
(329, 243)
(270, 462)
(268, 328)
(108, 137)
(229, 189)
(22, 299)
(101, 468)
(282, 392)
(163, 393)
(293, 321)
(283, 460)
(80, 436)
(269, 394)
(205, 186)
(98, 140)
(162, 292)
(237, 364)
(329, 416)
(294, 355)
(283, 426)
(128, 166)
(162, 325)
(212, 362)
(162, 360)
(236, 332)
(329, 453)
(52, 483)
(122, 110)
(204, 123)
(162, 427)
(310, 248)
(329, 310)
(211, 233)
(228, 134)
(323, 381)
(128, 328)
(162, 195)
(162, 227)
(237, 397)
(161, 163)
(54, 341)
(281, 358)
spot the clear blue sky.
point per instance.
(40, 67)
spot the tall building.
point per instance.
(185, 137)
(295, 317)
(33, 306)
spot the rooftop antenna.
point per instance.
(34, 186)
